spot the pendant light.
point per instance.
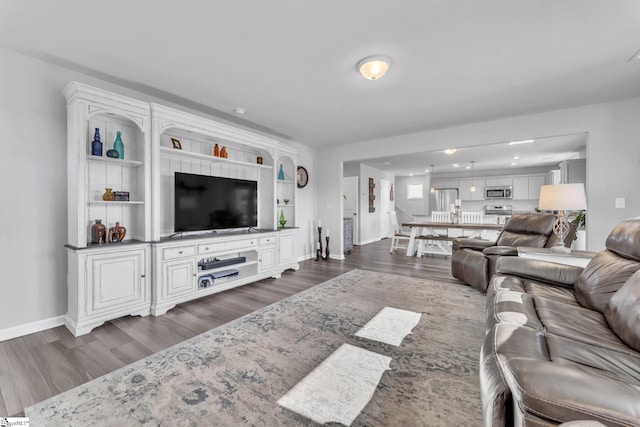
(433, 189)
(473, 186)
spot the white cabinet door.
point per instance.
(464, 189)
(479, 193)
(267, 258)
(115, 280)
(178, 277)
(286, 250)
(440, 183)
(521, 188)
(535, 182)
(498, 181)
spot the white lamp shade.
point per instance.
(562, 197)
(374, 67)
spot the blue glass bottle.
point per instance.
(96, 144)
(281, 173)
(119, 146)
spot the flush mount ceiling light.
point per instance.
(450, 151)
(239, 110)
(374, 67)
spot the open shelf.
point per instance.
(121, 162)
(116, 202)
(172, 152)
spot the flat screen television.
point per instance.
(210, 202)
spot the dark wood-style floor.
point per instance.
(37, 366)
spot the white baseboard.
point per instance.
(30, 328)
(366, 242)
(306, 257)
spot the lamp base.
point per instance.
(560, 248)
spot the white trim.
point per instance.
(30, 328)
(366, 242)
(306, 257)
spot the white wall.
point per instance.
(34, 203)
(410, 207)
(613, 156)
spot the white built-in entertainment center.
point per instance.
(154, 268)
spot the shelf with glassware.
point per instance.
(108, 157)
(286, 190)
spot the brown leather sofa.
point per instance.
(563, 343)
(473, 260)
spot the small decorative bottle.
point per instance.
(283, 221)
(216, 150)
(281, 173)
(119, 146)
(108, 195)
(96, 144)
(98, 232)
(223, 152)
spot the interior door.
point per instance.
(385, 209)
(350, 204)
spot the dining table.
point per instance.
(437, 241)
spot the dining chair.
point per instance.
(472, 217)
(399, 235)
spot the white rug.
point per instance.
(390, 326)
(339, 388)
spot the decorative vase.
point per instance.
(108, 195)
(117, 233)
(119, 146)
(281, 173)
(98, 232)
(96, 144)
(216, 150)
(282, 220)
(223, 152)
(259, 160)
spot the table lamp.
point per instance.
(561, 198)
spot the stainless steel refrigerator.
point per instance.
(442, 199)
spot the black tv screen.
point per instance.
(209, 202)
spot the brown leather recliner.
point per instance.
(563, 342)
(473, 260)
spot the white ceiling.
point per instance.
(540, 153)
(291, 64)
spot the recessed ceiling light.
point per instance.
(468, 167)
(427, 170)
(373, 67)
(515, 157)
(449, 151)
(455, 165)
(513, 163)
(239, 110)
(524, 141)
(410, 174)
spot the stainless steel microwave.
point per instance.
(499, 192)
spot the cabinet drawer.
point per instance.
(210, 248)
(181, 252)
(268, 240)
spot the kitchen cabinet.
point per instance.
(573, 171)
(445, 183)
(465, 189)
(527, 187)
(552, 177)
(498, 181)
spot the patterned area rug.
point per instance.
(235, 374)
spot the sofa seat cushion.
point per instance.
(512, 307)
(577, 323)
(602, 277)
(555, 293)
(472, 267)
(623, 312)
(563, 393)
(622, 364)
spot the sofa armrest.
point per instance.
(562, 392)
(475, 244)
(501, 250)
(557, 274)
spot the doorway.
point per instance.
(386, 206)
(350, 205)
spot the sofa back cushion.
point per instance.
(527, 230)
(623, 312)
(611, 268)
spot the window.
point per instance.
(414, 191)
